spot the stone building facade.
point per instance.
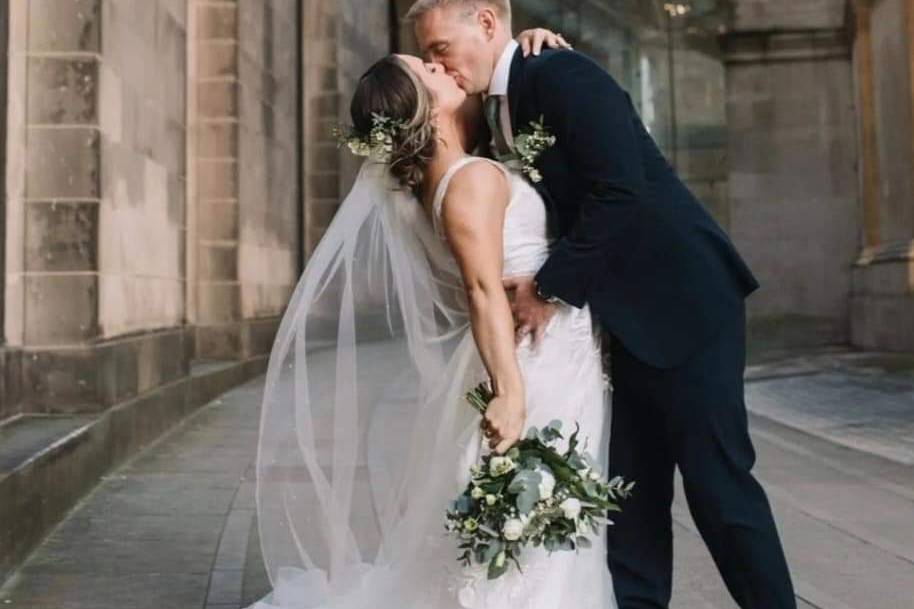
(168, 167)
(152, 227)
(820, 106)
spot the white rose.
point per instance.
(513, 529)
(500, 466)
(491, 499)
(547, 484)
(477, 493)
(571, 508)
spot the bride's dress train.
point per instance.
(366, 438)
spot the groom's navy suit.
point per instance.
(668, 286)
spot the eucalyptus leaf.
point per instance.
(527, 499)
(523, 480)
(464, 505)
(496, 570)
(492, 550)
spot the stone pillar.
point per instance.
(883, 294)
(95, 220)
(246, 115)
(341, 40)
(793, 154)
(321, 104)
(58, 311)
(217, 294)
(269, 151)
(10, 353)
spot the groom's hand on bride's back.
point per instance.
(531, 313)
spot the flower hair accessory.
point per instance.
(378, 144)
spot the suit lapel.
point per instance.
(515, 84)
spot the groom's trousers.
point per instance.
(694, 417)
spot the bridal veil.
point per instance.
(362, 405)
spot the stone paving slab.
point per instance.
(97, 591)
(861, 400)
(176, 527)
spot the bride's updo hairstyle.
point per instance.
(390, 87)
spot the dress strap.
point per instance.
(441, 189)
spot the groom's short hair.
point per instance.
(420, 7)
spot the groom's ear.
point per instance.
(488, 21)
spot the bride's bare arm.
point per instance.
(473, 217)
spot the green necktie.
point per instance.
(493, 112)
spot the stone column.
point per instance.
(883, 290)
(321, 104)
(793, 154)
(217, 298)
(95, 220)
(341, 40)
(269, 150)
(245, 115)
(11, 56)
(57, 316)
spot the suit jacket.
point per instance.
(632, 242)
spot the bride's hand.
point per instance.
(504, 420)
(532, 41)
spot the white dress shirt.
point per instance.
(499, 83)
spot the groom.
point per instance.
(666, 284)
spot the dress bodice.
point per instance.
(526, 242)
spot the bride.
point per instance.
(365, 438)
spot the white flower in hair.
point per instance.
(378, 143)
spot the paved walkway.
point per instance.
(175, 528)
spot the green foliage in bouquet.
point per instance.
(531, 496)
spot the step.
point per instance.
(49, 462)
(46, 464)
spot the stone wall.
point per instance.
(95, 280)
(342, 39)
(792, 152)
(883, 297)
(141, 114)
(321, 99)
(788, 14)
(269, 253)
(246, 206)
(10, 357)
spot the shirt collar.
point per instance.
(502, 73)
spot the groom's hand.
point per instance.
(531, 313)
(532, 41)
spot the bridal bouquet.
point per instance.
(531, 496)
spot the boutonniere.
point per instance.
(529, 144)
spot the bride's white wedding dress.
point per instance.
(390, 549)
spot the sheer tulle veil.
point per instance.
(362, 422)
